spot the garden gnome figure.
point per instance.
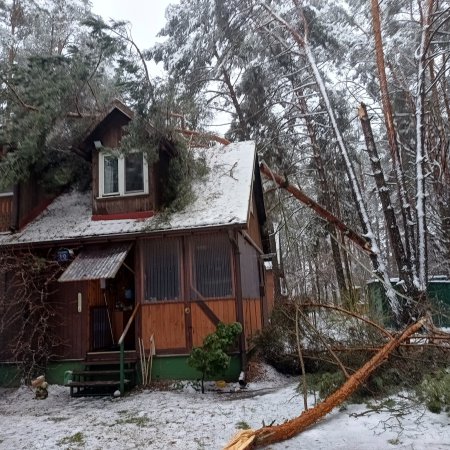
(40, 386)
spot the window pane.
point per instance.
(212, 266)
(110, 175)
(250, 278)
(134, 172)
(162, 269)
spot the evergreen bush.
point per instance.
(211, 358)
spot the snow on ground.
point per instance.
(182, 418)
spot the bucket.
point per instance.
(68, 376)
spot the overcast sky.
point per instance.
(145, 16)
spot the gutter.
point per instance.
(104, 239)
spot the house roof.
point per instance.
(221, 199)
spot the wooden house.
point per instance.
(129, 272)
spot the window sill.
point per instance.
(138, 215)
(123, 196)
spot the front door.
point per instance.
(101, 328)
(111, 304)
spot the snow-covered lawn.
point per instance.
(186, 419)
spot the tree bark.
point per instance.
(250, 439)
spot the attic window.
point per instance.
(122, 175)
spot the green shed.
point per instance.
(438, 291)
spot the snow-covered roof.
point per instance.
(222, 198)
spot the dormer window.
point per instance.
(122, 175)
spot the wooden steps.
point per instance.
(100, 374)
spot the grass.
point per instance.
(139, 421)
(57, 419)
(75, 439)
(242, 425)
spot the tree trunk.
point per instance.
(405, 204)
(269, 435)
(401, 260)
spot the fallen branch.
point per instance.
(318, 209)
(269, 435)
(208, 136)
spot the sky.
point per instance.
(146, 17)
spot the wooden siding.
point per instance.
(32, 200)
(6, 203)
(166, 321)
(254, 230)
(225, 310)
(125, 204)
(252, 317)
(9, 317)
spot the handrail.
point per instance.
(122, 348)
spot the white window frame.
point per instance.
(7, 192)
(121, 175)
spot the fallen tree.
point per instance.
(250, 439)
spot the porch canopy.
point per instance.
(93, 263)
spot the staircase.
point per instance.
(100, 374)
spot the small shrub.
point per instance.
(211, 358)
(435, 391)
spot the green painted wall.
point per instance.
(438, 293)
(9, 375)
(177, 368)
(164, 368)
(56, 370)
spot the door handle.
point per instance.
(187, 310)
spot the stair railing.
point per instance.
(122, 348)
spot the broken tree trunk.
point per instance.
(320, 210)
(250, 439)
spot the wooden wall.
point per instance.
(178, 326)
(6, 203)
(225, 310)
(9, 317)
(32, 200)
(254, 230)
(252, 317)
(167, 322)
(119, 205)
